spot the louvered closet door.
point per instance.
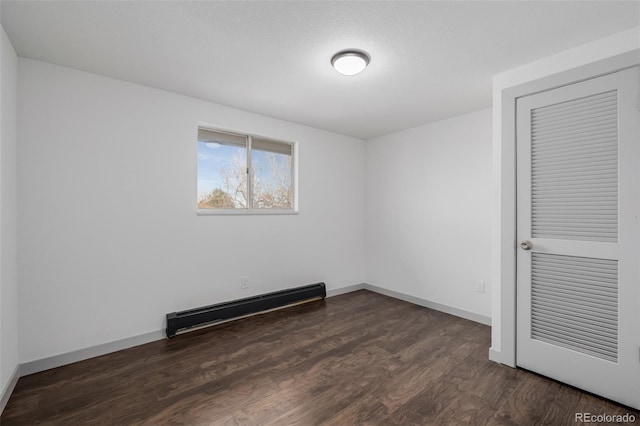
(578, 201)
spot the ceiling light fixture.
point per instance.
(350, 62)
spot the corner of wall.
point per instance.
(9, 367)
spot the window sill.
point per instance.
(244, 212)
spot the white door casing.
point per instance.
(578, 204)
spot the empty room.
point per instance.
(319, 212)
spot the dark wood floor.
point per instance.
(359, 358)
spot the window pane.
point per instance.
(222, 166)
(272, 177)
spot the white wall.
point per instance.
(109, 237)
(8, 209)
(503, 183)
(428, 211)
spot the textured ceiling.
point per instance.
(429, 60)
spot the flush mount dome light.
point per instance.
(350, 62)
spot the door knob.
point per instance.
(526, 245)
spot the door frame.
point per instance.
(503, 344)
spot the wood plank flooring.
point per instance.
(358, 358)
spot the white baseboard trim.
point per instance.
(43, 364)
(343, 290)
(497, 356)
(9, 387)
(472, 316)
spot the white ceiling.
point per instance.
(429, 60)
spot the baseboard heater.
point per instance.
(222, 312)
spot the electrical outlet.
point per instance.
(480, 286)
(244, 282)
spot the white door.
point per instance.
(578, 230)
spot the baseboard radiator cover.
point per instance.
(178, 322)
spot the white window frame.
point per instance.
(250, 210)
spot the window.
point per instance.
(243, 173)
